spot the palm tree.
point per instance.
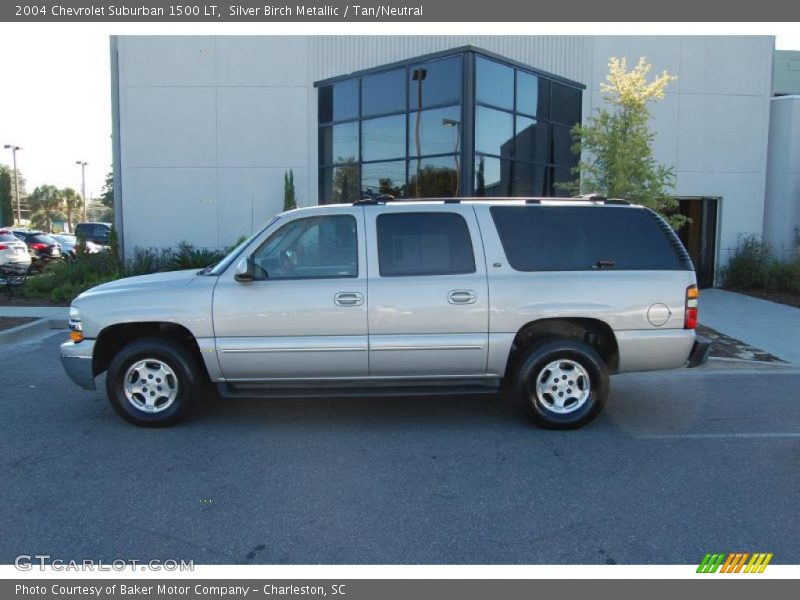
(72, 203)
(45, 204)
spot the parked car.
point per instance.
(97, 233)
(68, 245)
(549, 296)
(13, 252)
(41, 247)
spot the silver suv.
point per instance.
(546, 296)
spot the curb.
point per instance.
(29, 330)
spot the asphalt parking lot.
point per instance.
(680, 464)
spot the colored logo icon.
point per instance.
(735, 562)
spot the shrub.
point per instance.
(748, 265)
(187, 256)
(61, 281)
(146, 261)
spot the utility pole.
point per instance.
(83, 165)
(14, 149)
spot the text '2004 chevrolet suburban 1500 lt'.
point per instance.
(377, 297)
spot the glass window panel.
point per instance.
(434, 83)
(530, 180)
(310, 248)
(532, 140)
(575, 238)
(527, 93)
(383, 93)
(439, 131)
(494, 131)
(424, 244)
(325, 104)
(438, 177)
(560, 174)
(492, 176)
(494, 83)
(345, 100)
(566, 104)
(339, 184)
(338, 143)
(383, 138)
(562, 146)
(383, 178)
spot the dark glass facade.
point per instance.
(459, 124)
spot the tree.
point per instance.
(617, 144)
(6, 198)
(289, 197)
(71, 203)
(45, 205)
(107, 194)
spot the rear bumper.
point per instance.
(700, 351)
(77, 362)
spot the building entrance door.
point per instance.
(700, 236)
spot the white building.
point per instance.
(206, 127)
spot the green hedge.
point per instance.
(753, 266)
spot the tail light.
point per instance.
(38, 246)
(690, 321)
(3, 247)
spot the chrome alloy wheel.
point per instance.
(563, 386)
(150, 385)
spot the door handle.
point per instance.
(462, 297)
(348, 299)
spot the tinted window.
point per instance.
(383, 178)
(566, 104)
(338, 143)
(530, 180)
(494, 131)
(383, 138)
(339, 184)
(439, 131)
(532, 95)
(438, 177)
(41, 238)
(575, 238)
(314, 247)
(492, 176)
(562, 146)
(434, 83)
(494, 83)
(424, 244)
(532, 140)
(383, 93)
(7, 237)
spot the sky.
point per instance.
(58, 108)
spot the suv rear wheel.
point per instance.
(562, 384)
(151, 382)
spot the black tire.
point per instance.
(185, 378)
(580, 405)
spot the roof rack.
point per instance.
(387, 198)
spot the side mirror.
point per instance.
(245, 270)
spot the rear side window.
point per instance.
(579, 238)
(424, 244)
(7, 237)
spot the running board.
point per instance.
(351, 389)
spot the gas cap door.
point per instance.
(658, 314)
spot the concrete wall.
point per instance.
(208, 125)
(782, 214)
(786, 73)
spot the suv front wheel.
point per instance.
(151, 382)
(563, 384)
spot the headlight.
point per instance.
(75, 324)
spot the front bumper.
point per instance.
(699, 353)
(77, 362)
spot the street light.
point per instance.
(83, 184)
(419, 76)
(457, 125)
(16, 180)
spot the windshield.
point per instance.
(234, 254)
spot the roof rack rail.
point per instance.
(382, 199)
(601, 198)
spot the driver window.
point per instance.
(310, 248)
